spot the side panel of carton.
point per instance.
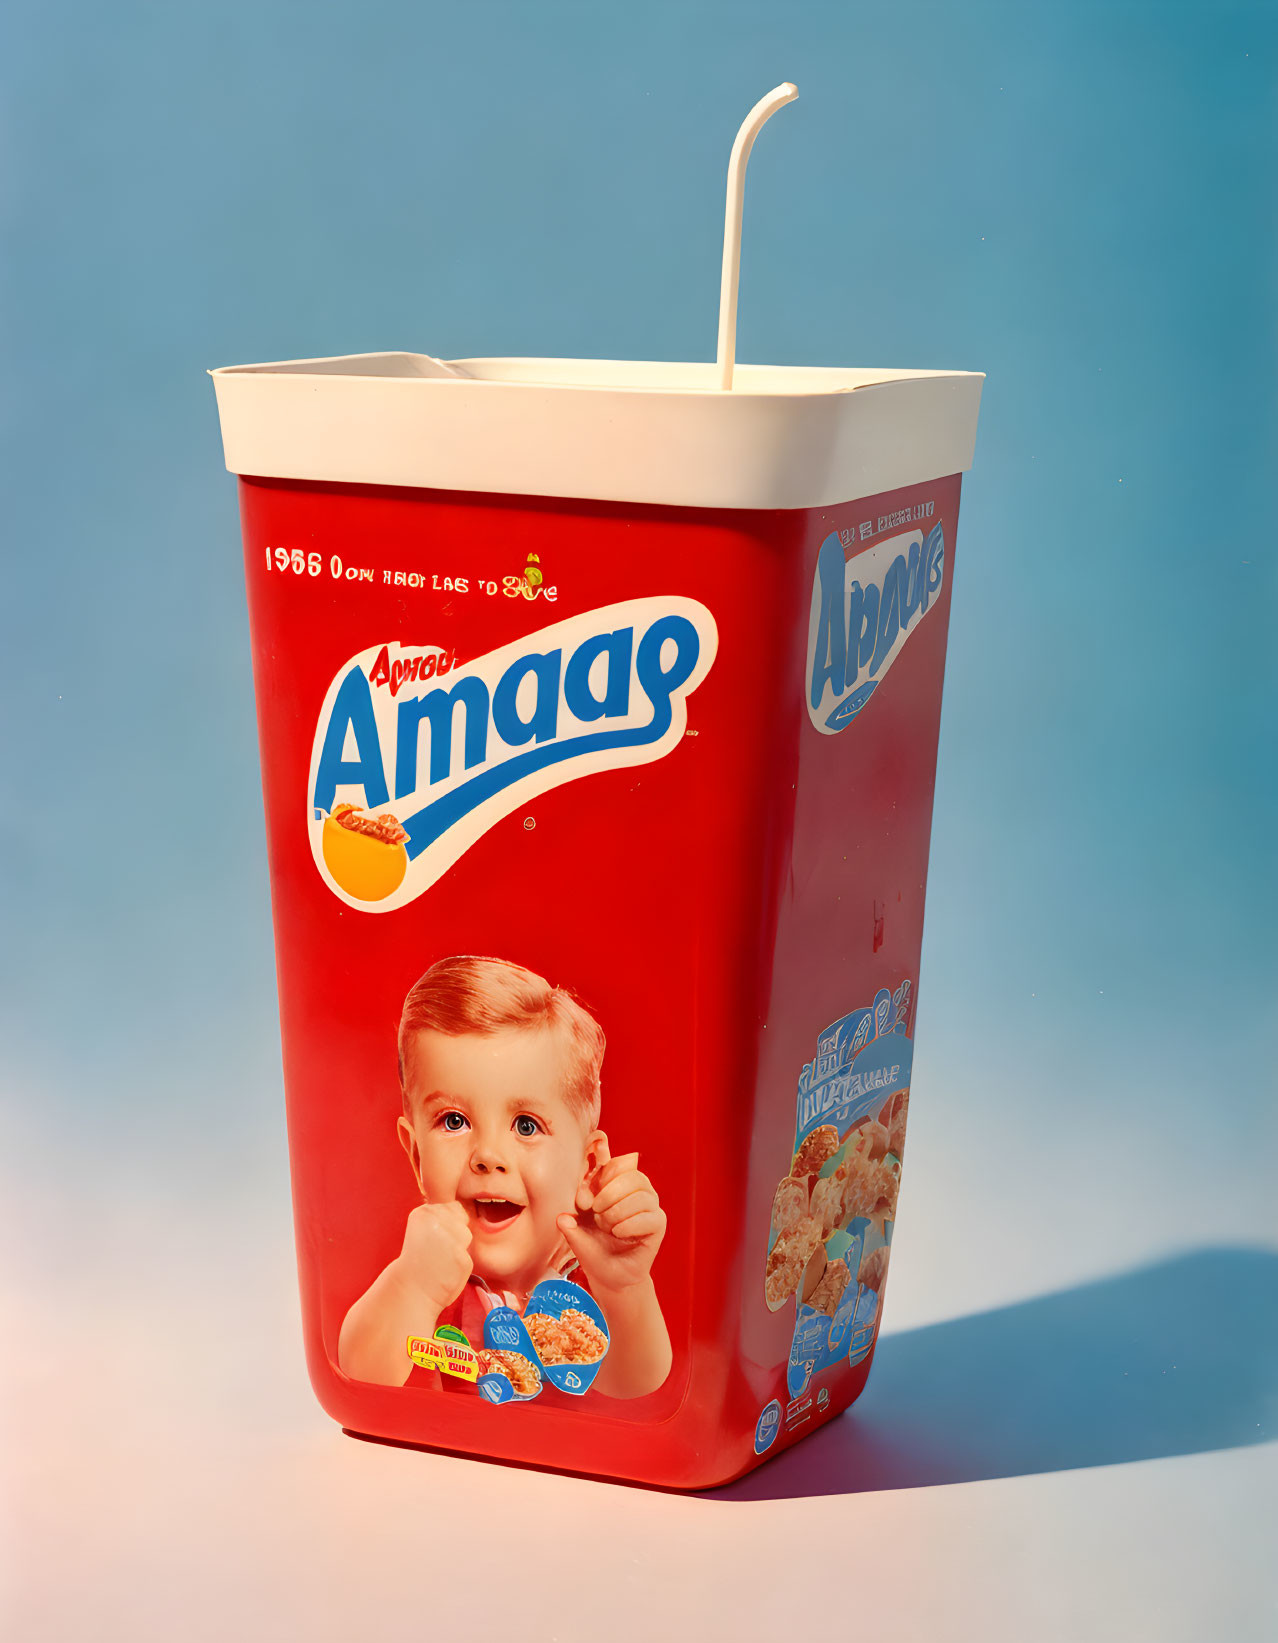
(864, 673)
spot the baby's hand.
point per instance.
(435, 1260)
(619, 1225)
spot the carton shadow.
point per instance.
(1171, 1359)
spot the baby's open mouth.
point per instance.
(497, 1212)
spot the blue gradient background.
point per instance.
(1076, 199)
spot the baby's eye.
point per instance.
(526, 1126)
(454, 1121)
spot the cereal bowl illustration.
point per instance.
(365, 854)
(508, 1368)
(572, 1337)
(506, 1377)
(569, 1334)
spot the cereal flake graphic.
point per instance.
(781, 1279)
(893, 1116)
(788, 1258)
(804, 1236)
(871, 1139)
(365, 854)
(550, 1340)
(829, 1292)
(587, 1342)
(816, 1150)
(827, 1199)
(813, 1272)
(873, 1269)
(869, 1190)
(571, 1338)
(521, 1372)
(790, 1203)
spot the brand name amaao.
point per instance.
(454, 747)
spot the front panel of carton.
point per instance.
(523, 769)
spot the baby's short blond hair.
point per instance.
(465, 994)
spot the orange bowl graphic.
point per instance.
(364, 854)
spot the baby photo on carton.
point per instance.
(499, 1120)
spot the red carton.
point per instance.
(598, 715)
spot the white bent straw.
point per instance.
(754, 121)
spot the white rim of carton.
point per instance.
(599, 430)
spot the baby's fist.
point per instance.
(435, 1259)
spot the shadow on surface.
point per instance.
(1172, 1359)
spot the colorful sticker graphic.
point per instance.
(447, 1350)
(833, 1210)
(568, 1332)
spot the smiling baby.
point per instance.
(499, 1073)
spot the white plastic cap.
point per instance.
(606, 430)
